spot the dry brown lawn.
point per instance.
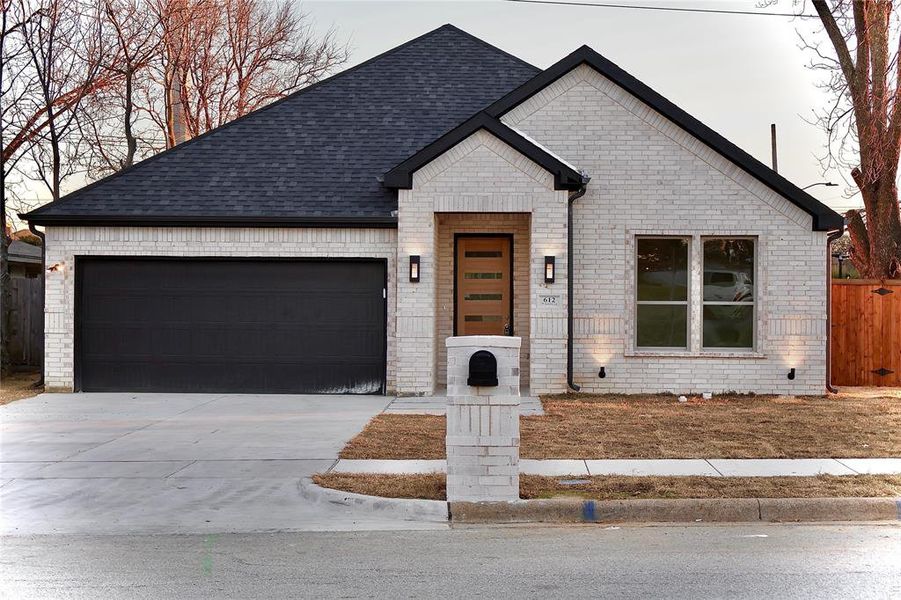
(617, 426)
(16, 386)
(432, 486)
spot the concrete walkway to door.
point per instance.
(175, 463)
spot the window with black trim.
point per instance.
(661, 311)
(729, 295)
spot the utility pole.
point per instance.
(773, 138)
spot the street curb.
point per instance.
(830, 509)
(400, 508)
(737, 510)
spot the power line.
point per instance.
(714, 11)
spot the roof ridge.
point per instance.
(522, 61)
(150, 159)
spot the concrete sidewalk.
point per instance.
(713, 467)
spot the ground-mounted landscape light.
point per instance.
(549, 269)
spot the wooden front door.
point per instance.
(484, 286)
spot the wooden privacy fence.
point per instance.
(866, 332)
(26, 322)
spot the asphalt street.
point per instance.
(732, 561)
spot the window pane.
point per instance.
(729, 326)
(661, 326)
(482, 318)
(729, 270)
(662, 269)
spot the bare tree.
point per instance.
(109, 119)
(864, 121)
(15, 84)
(66, 51)
(243, 55)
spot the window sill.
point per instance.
(692, 354)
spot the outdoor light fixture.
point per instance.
(602, 373)
(791, 373)
(549, 269)
(414, 268)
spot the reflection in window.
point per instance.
(661, 314)
(729, 296)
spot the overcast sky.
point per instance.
(736, 74)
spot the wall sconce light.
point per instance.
(791, 373)
(549, 269)
(414, 268)
(602, 373)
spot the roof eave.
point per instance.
(209, 221)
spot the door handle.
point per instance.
(507, 330)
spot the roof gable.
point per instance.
(314, 157)
(566, 177)
(824, 218)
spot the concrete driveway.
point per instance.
(175, 463)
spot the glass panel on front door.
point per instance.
(484, 285)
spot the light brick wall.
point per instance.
(450, 224)
(65, 243)
(481, 174)
(651, 177)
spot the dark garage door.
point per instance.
(278, 326)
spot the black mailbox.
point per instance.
(482, 369)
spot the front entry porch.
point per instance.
(481, 189)
(482, 281)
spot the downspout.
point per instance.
(43, 238)
(570, 301)
(829, 239)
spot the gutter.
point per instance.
(829, 239)
(570, 300)
(210, 221)
(40, 234)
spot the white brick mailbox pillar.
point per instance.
(483, 422)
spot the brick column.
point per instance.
(483, 422)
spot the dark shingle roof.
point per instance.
(22, 252)
(317, 155)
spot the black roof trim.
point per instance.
(212, 221)
(824, 218)
(565, 177)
